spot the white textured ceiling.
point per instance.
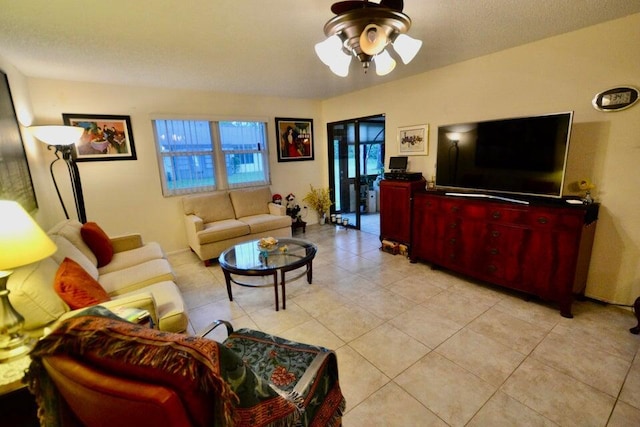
(260, 47)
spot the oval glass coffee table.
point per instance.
(248, 259)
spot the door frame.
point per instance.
(343, 158)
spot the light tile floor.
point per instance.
(418, 346)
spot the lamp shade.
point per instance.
(57, 134)
(340, 67)
(373, 39)
(453, 136)
(22, 241)
(407, 47)
(329, 49)
(384, 63)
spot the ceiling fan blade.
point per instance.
(345, 6)
(393, 4)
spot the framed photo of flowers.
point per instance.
(104, 137)
(295, 139)
(413, 140)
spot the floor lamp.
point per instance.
(61, 139)
(23, 242)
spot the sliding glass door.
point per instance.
(356, 160)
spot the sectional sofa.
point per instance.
(137, 275)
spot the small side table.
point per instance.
(299, 224)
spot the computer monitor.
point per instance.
(398, 164)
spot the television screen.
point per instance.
(524, 155)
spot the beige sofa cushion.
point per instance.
(120, 260)
(254, 201)
(70, 230)
(32, 293)
(67, 249)
(264, 223)
(210, 207)
(136, 277)
(222, 230)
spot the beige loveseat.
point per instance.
(217, 221)
(137, 276)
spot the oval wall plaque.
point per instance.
(615, 99)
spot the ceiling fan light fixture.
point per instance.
(340, 66)
(406, 47)
(384, 63)
(328, 50)
(364, 29)
(373, 39)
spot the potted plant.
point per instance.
(319, 200)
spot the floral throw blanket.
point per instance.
(305, 373)
(252, 379)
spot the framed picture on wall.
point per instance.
(413, 140)
(295, 139)
(15, 176)
(104, 137)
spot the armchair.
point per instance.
(97, 370)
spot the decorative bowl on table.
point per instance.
(267, 243)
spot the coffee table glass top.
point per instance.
(247, 257)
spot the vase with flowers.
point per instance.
(319, 200)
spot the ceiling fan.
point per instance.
(364, 29)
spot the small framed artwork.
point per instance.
(104, 137)
(295, 139)
(413, 140)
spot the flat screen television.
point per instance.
(523, 155)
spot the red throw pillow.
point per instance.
(98, 242)
(76, 287)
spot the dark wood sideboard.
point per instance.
(541, 249)
(395, 208)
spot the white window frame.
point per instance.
(218, 155)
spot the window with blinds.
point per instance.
(202, 155)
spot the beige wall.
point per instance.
(557, 74)
(125, 196)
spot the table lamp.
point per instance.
(22, 242)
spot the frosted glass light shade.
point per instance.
(373, 39)
(341, 66)
(329, 49)
(57, 135)
(384, 63)
(407, 47)
(331, 54)
(22, 239)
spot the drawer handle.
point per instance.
(455, 209)
(452, 240)
(495, 234)
(496, 214)
(542, 220)
(491, 268)
(494, 251)
(453, 225)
